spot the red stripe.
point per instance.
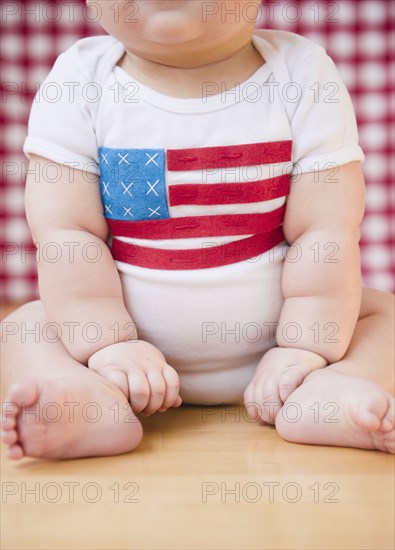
(200, 258)
(198, 226)
(229, 156)
(229, 193)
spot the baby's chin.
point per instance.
(171, 27)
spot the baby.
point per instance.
(195, 196)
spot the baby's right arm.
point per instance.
(78, 280)
(80, 287)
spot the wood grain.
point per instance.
(203, 478)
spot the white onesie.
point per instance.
(194, 192)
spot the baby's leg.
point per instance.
(55, 407)
(350, 403)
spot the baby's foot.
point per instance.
(331, 408)
(279, 373)
(67, 418)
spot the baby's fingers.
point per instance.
(157, 392)
(171, 399)
(118, 378)
(249, 403)
(139, 390)
(262, 399)
(177, 402)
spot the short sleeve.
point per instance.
(60, 125)
(324, 127)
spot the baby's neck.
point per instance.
(186, 81)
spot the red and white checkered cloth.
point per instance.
(356, 34)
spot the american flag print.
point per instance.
(132, 184)
(139, 203)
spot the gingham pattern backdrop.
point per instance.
(357, 35)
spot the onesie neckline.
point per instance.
(243, 91)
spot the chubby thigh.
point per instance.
(213, 325)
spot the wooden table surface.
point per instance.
(202, 478)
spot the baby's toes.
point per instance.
(9, 437)
(8, 422)
(373, 413)
(22, 394)
(9, 411)
(290, 379)
(388, 422)
(389, 441)
(14, 452)
(388, 427)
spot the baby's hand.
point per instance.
(279, 373)
(140, 371)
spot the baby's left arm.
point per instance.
(321, 285)
(321, 277)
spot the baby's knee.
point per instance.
(30, 311)
(22, 319)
